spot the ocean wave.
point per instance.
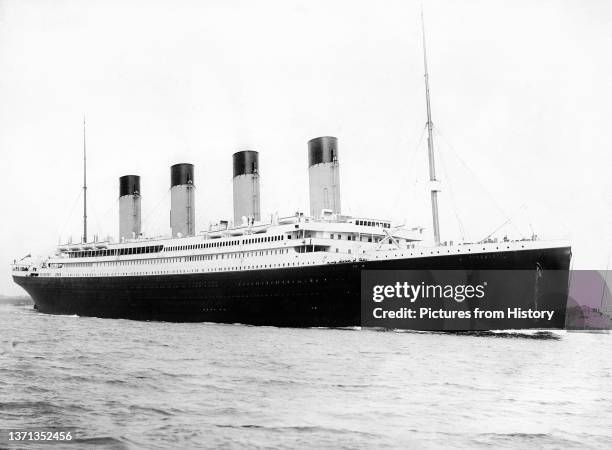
(299, 428)
(517, 439)
(107, 442)
(125, 384)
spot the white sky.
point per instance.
(521, 94)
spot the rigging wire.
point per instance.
(153, 210)
(76, 200)
(410, 165)
(102, 184)
(529, 221)
(99, 227)
(450, 192)
(509, 218)
(106, 214)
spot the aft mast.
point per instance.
(430, 146)
(84, 185)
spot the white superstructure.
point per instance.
(292, 242)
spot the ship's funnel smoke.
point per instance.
(182, 200)
(129, 207)
(323, 175)
(246, 186)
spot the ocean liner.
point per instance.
(301, 270)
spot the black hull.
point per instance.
(306, 296)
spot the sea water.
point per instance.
(127, 384)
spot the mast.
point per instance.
(430, 146)
(84, 185)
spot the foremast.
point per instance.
(430, 147)
(84, 185)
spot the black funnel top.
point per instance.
(181, 174)
(246, 162)
(323, 149)
(129, 185)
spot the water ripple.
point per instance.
(122, 384)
